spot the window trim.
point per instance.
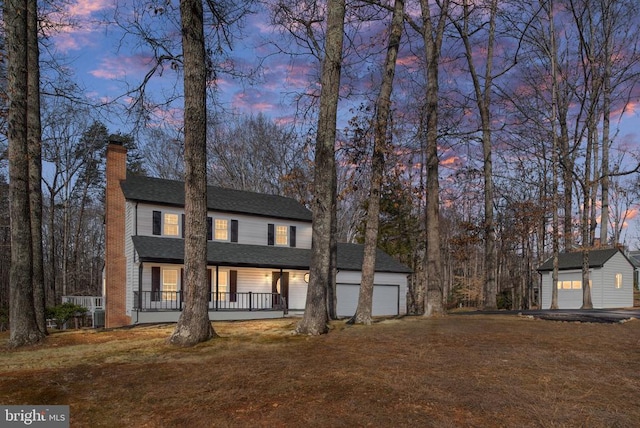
(618, 281)
(173, 296)
(166, 224)
(216, 229)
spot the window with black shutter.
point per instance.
(157, 223)
(234, 230)
(292, 236)
(233, 285)
(209, 276)
(155, 284)
(271, 234)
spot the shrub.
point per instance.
(64, 312)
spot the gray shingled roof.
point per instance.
(169, 192)
(573, 260)
(171, 250)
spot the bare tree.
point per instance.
(315, 317)
(193, 325)
(381, 148)
(257, 155)
(482, 86)
(433, 36)
(21, 111)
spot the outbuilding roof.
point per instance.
(171, 192)
(171, 250)
(573, 260)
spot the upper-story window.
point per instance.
(221, 232)
(167, 224)
(281, 235)
(221, 229)
(170, 224)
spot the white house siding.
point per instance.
(603, 291)
(130, 256)
(251, 230)
(389, 293)
(607, 295)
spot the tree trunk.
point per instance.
(24, 326)
(194, 325)
(315, 317)
(380, 149)
(483, 101)
(34, 141)
(434, 295)
(555, 156)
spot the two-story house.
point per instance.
(258, 254)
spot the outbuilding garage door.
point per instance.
(385, 299)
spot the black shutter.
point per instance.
(182, 289)
(234, 230)
(233, 285)
(292, 236)
(155, 284)
(271, 234)
(183, 224)
(157, 223)
(209, 229)
(209, 282)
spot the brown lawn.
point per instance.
(455, 371)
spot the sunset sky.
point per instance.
(105, 62)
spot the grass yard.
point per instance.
(454, 371)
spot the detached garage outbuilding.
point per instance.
(610, 273)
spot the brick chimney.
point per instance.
(115, 260)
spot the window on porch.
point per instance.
(169, 284)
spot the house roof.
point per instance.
(171, 250)
(573, 260)
(170, 192)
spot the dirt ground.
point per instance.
(453, 371)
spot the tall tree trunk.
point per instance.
(606, 129)
(315, 317)
(483, 101)
(194, 325)
(34, 141)
(553, 56)
(24, 326)
(432, 37)
(380, 150)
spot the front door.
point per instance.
(280, 285)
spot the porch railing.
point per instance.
(90, 302)
(221, 301)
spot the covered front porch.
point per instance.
(165, 306)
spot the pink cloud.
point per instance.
(83, 8)
(82, 34)
(115, 68)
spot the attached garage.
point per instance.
(386, 299)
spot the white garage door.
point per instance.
(385, 299)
